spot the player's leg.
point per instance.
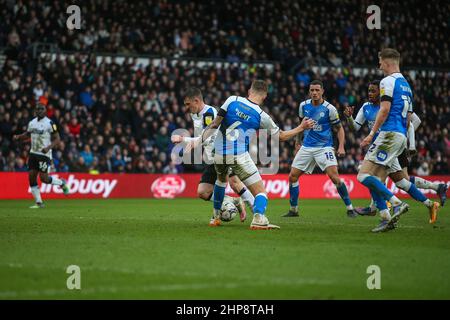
(206, 186)
(294, 192)
(326, 160)
(33, 165)
(248, 173)
(371, 210)
(205, 191)
(402, 182)
(32, 179)
(440, 188)
(382, 155)
(45, 178)
(369, 177)
(260, 220)
(240, 189)
(219, 194)
(245, 196)
(303, 163)
(333, 174)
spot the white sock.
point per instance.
(294, 209)
(56, 181)
(428, 203)
(350, 207)
(395, 201)
(248, 198)
(372, 204)
(385, 215)
(36, 194)
(425, 184)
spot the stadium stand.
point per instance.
(117, 117)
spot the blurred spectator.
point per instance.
(127, 129)
(287, 31)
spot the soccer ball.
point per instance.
(228, 211)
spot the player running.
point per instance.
(202, 115)
(317, 148)
(238, 119)
(367, 113)
(382, 156)
(44, 137)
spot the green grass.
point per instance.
(163, 249)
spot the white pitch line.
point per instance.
(157, 288)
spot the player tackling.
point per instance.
(202, 115)
(44, 137)
(238, 119)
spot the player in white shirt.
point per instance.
(202, 115)
(44, 137)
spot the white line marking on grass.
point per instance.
(243, 281)
(156, 288)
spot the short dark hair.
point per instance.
(193, 92)
(259, 86)
(375, 83)
(320, 83)
(389, 53)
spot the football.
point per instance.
(228, 211)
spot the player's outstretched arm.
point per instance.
(304, 125)
(348, 113)
(20, 137)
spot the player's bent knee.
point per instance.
(204, 195)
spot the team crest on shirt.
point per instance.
(322, 114)
(208, 120)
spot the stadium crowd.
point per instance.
(118, 117)
(236, 30)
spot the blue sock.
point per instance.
(379, 201)
(416, 194)
(376, 185)
(260, 203)
(343, 192)
(412, 179)
(219, 194)
(294, 190)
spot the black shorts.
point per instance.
(209, 174)
(403, 159)
(39, 162)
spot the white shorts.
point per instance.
(307, 158)
(385, 150)
(241, 165)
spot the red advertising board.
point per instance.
(84, 186)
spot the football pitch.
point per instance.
(164, 249)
